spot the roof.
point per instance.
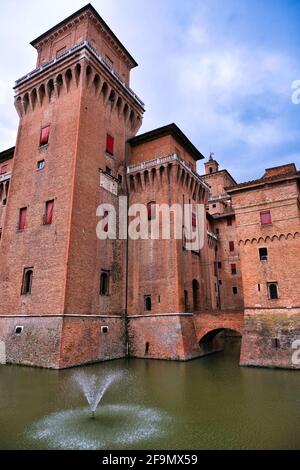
(175, 132)
(7, 154)
(272, 175)
(82, 10)
(219, 172)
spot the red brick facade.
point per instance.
(66, 297)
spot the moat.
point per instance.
(210, 403)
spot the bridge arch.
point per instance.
(210, 340)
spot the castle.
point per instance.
(68, 298)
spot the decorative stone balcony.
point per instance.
(166, 160)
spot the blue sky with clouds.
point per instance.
(221, 69)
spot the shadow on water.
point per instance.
(208, 403)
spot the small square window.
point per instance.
(104, 329)
(263, 254)
(214, 206)
(41, 165)
(19, 329)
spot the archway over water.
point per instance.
(215, 340)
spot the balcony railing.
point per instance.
(165, 160)
(78, 47)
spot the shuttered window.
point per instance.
(49, 212)
(265, 218)
(44, 138)
(110, 144)
(22, 218)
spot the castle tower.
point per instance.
(167, 282)
(63, 290)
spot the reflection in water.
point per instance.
(208, 403)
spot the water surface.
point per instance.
(210, 403)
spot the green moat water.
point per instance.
(210, 403)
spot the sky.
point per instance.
(222, 70)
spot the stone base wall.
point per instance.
(169, 337)
(271, 338)
(58, 342)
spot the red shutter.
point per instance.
(49, 212)
(22, 218)
(110, 144)
(265, 218)
(231, 246)
(44, 139)
(151, 210)
(3, 169)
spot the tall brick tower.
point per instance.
(62, 290)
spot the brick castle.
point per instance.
(68, 298)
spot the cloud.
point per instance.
(221, 70)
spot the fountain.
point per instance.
(94, 387)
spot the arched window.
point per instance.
(104, 283)
(273, 291)
(148, 303)
(27, 281)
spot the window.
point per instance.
(275, 343)
(104, 283)
(220, 282)
(258, 287)
(120, 179)
(27, 281)
(233, 269)
(273, 290)
(41, 165)
(234, 290)
(18, 330)
(108, 171)
(147, 348)
(229, 222)
(210, 170)
(22, 218)
(151, 206)
(104, 329)
(44, 138)
(214, 206)
(110, 144)
(106, 215)
(263, 254)
(265, 218)
(3, 169)
(220, 265)
(217, 231)
(148, 303)
(231, 246)
(48, 216)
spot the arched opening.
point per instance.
(33, 98)
(273, 291)
(196, 288)
(96, 83)
(68, 78)
(224, 340)
(27, 281)
(42, 93)
(104, 283)
(147, 345)
(50, 87)
(77, 73)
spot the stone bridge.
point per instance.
(208, 325)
